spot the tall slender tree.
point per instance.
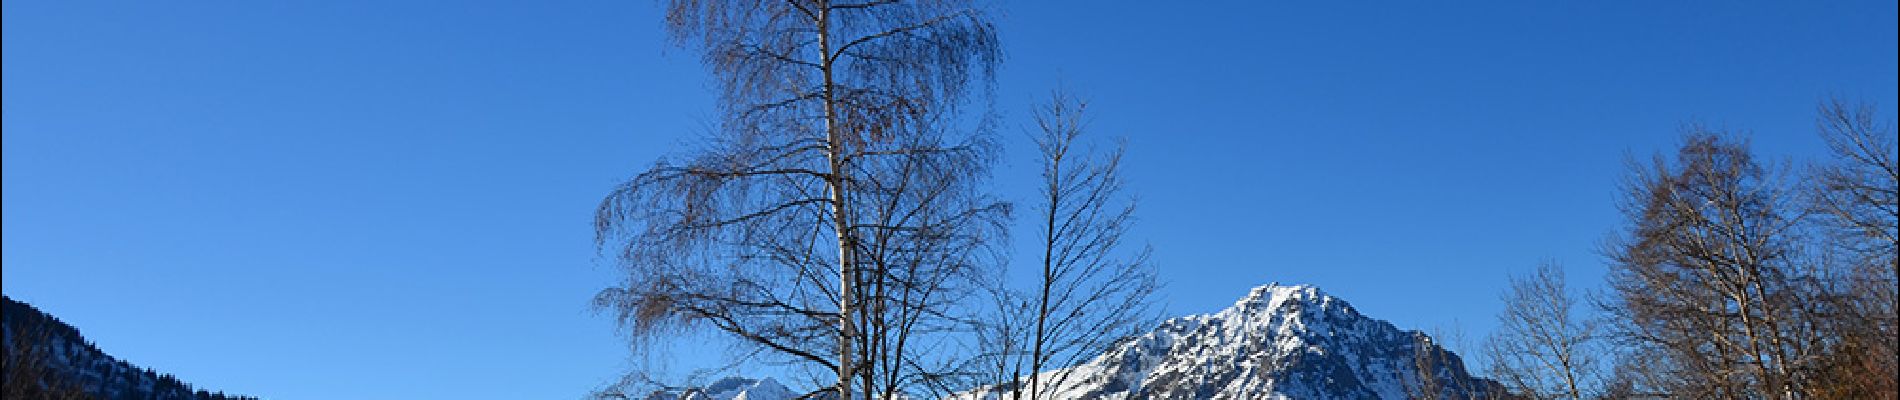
(1089, 289)
(835, 211)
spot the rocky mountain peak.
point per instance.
(1277, 341)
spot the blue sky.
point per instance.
(319, 199)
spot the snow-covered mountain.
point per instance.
(1291, 342)
(1277, 342)
(730, 389)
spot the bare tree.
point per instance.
(1542, 348)
(1089, 291)
(1708, 274)
(1859, 190)
(1855, 193)
(1428, 381)
(1641, 372)
(836, 212)
(32, 369)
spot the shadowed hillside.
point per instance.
(48, 359)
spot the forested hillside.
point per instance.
(48, 359)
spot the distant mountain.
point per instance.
(730, 389)
(48, 359)
(1278, 342)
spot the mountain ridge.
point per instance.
(48, 358)
(1276, 342)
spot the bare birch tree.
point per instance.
(1859, 189)
(1089, 290)
(1857, 195)
(1543, 349)
(833, 214)
(1708, 274)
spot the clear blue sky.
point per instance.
(324, 199)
